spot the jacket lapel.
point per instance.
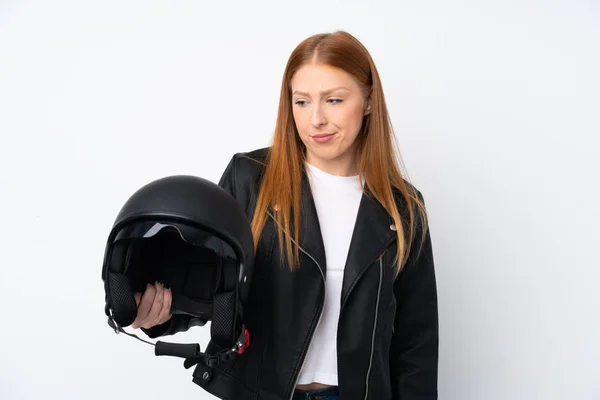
(372, 234)
(311, 238)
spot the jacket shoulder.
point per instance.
(403, 208)
(242, 175)
(254, 160)
(401, 202)
(247, 167)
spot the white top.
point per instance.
(337, 199)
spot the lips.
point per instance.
(323, 137)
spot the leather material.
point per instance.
(388, 326)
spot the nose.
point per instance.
(317, 116)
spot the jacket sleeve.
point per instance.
(178, 322)
(414, 349)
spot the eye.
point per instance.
(300, 102)
(335, 101)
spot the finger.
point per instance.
(145, 305)
(158, 305)
(165, 313)
(138, 297)
(152, 316)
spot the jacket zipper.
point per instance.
(374, 327)
(297, 377)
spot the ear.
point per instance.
(368, 106)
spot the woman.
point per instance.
(343, 300)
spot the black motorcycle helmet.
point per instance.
(195, 238)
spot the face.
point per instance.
(328, 109)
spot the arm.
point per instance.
(414, 350)
(179, 322)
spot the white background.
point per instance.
(496, 107)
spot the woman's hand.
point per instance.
(154, 307)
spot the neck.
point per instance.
(344, 165)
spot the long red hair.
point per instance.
(378, 158)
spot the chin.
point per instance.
(326, 155)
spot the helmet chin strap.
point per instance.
(190, 352)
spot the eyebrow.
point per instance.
(323, 91)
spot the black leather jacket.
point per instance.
(387, 342)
